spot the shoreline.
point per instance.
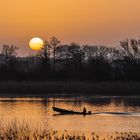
(69, 88)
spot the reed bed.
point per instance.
(94, 136)
(23, 131)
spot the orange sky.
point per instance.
(84, 21)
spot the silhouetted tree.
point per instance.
(100, 52)
(73, 61)
(9, 53)
(54, 43)
(131, 50)
(44, 53)
(63, 56)
(90, 51)
(77, 54)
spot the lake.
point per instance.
(38, 113)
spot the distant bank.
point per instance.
(48, 88)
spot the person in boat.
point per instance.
(84, 110)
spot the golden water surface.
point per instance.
(38, 113)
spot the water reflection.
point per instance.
(38, 111)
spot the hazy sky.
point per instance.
(84, 21)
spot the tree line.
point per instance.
(57, 61)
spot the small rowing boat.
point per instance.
(71, 112)
(64, 111)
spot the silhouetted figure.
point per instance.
(84, 111)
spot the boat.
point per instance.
(71, 112)
(64, 111)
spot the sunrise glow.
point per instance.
(36, 43)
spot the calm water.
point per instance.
(38, 112)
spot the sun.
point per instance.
(36, 43)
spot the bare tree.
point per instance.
(9, 52)
(77, 54)
(44, 53)
(98, 52)
(90, 51)
(54, 43)
(130, 49)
